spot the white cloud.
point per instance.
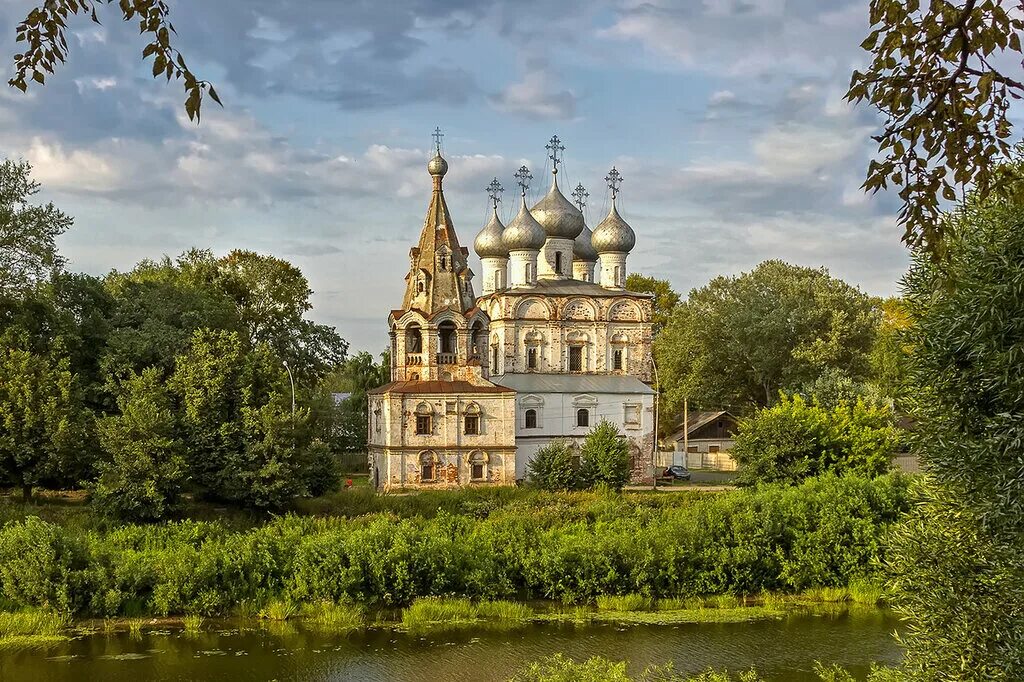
(537, 95)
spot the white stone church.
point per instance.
(554, 344)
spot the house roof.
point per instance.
(438, 387)
(697, 419)
(573, 383)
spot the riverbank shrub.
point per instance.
(571, 548)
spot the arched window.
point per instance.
(494, 358)
(446, 330)
(582, 417)
(531, 419)
(472, 420)
(478, 466)
(558, 262)
(478, 338)
(617, 359)
(529, 272)
(424, 415)
(413, 339)
(428, 467)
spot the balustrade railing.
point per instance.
(446, 358)
(414, 358)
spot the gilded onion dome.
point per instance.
(613, 234)
(557, 215)
(437, 166)
(583, 247)
(488, 243)
(524, 232)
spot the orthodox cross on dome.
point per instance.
(437, 135)
(555, 149)
(580, 194)
(494, 191)
(614, 180)
(523, 178)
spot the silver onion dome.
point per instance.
(488, 243)
(613, 234)
(437, 165)
(583, 247)
(557, 215)
(524, 232)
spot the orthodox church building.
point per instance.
(554, 345)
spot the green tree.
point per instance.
(796, 439)
(142, 477)
(956, 564)
(604, 457)
(556, 466)
(344, 423)
(44, 34)
(157, 307)
(935, 77)
(271, 296)
(28, 232)
(891, 360)
(243, 444)
(42, 422)
(665, 297)
(739, 340)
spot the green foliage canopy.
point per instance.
(738, 341)
(556, 466)
(665, 297)
(604, 457)
(796, 439)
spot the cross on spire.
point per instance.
(437, 135)
(580, 194)
(494, 191)
(523, 178)
(555, 149)
(614, 180)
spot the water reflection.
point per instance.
(782, 650)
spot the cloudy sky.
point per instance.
(725, 118)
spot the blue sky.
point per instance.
(725, 118)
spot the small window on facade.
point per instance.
(618, 276)
(427, 469)
(531, 419)
(472, 424)
(582, 417)
(494, 359)
(531, 358)
(713, 448)
(419, 286)
(692, 448)
(575, 358)
(617, 359)
(558, 262)
(422, 424)
(478, 467)
(632, 415)
(529, 272)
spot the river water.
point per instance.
(781, 651)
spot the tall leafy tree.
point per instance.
(143, 473)
(272, 296)
(604, 457)
(739, 340)
(665, 297)
(43, 424)
(940, 78)
(28, 232)
(244, 445)
(958, 563)
(343, 424)
(157, 307)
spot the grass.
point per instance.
(625, 602)
(32, 628)
(331, 617)
(193, 624)
(866, 592)
(430, 612)
(135, 627)
(279, 610)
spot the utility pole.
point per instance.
(686, 432)
(657, 395)
(292, 382)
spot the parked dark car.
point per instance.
(676, 473)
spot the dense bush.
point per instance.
(556, 466)
(604, 457)
(565, 547)
(796, 439)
